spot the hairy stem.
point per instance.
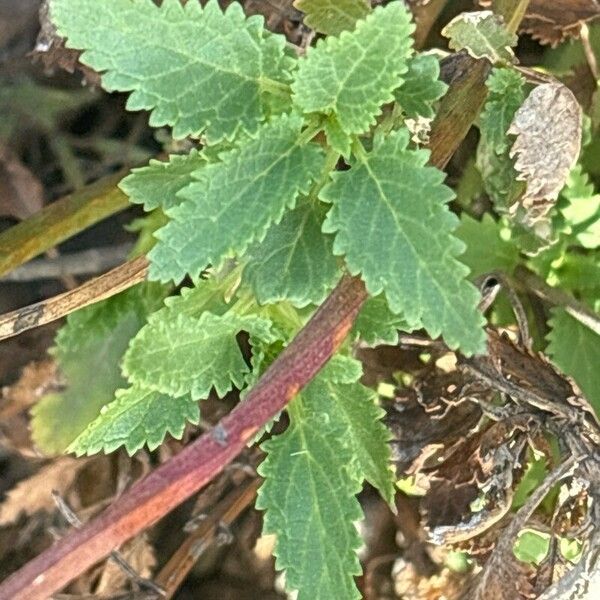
(176, 480)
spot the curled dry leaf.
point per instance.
(51, 52)
(548, 130)
(554, 22)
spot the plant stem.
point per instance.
(59, 221)
(176, 480)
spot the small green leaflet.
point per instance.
(177, 354)
(486, 249)
(506, 94)
(332, 16)
(159, 183)
(295, 261)
(575, 349)
(421, 88)
(89, 349)
(198, 69)
(391, 221)
(309, 498)
(312, 474)
(232, 203)
(580, 207)
(137, 417)
(347, 79)
(483, 35)
(376, 324)
(339, 397)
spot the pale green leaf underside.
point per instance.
(391, 222)
(575, 349)
(421, 88)
(295, 261)
(89, 349)
(506, 94)
(137, 417)
(179, 355)
(159, 183)
(309, 498)
(332, 16)
(486, 250)
(483, 34)
(232, 203)
(350, 77)
(196, 69)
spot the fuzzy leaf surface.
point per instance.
(332, 16)
(137, 417)
(232, 203)
(338, 396)
(376, 324)
(89, 349)
(295, 261)
(350, 77)
(158, 184)
(575, 349)
(197, 69)
(393, 226)
(181, 355)
(482, 34)
(309, 498)
(506, 95)
(422, 87)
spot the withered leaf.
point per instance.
(553, 22)
(548, 130)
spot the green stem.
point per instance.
(59, 221)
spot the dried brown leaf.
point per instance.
(50, 50)
(34, 494)
(552, 22)
(139, 554)
(548, 130)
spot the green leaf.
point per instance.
(177, 354)
(486, 249)
(198, 69)
(392, 223)
(89, 349)
(158, 184)
(332, 16)
(581, 209)
(376, 324)
(232, 203)
(295, 261)
(349, 78)
(506, 94)
(575, 349)
(482, 34)
(309, 498)
(422, 87)
(137, 417)
(531, 546)
(354, 407)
